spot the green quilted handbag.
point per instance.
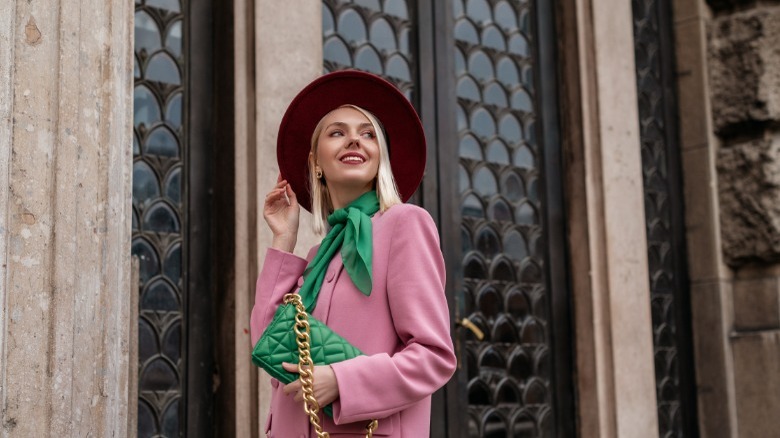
(279, 343)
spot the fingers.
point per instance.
(325, 385)
(274, 195)
(295, 386)
(274, 201)
(291, 193)
(279, 186)
(280, 183)
(292, 387)
(282, 189)
(278, 195)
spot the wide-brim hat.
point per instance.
(403, 130)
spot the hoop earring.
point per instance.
(318, 173)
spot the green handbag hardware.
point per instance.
(294, 336)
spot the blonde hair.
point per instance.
(384, 184)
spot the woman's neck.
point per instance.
(340, 197)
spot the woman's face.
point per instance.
(347, 150)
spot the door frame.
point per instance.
(197, 389)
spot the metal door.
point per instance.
(506, 214)
(171, 216)
(482, 76)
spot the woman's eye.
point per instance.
(368, 134)
(336, 134)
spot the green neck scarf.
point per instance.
(350, 231)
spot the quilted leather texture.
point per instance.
(277, 345)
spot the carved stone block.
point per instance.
(749, 189)
(757, 303)
(757, 383)
(744, 59)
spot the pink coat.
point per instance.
(403, 328)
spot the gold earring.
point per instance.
(318, 173)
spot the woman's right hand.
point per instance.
(282, 215)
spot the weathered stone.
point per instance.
(66, 71)
(744, 59)
(757, 383)
(757, 303)
(711, 310)
(749, 188)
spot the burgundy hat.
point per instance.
(403, 130)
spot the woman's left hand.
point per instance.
(326, 389)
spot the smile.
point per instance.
(353, 159)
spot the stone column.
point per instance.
(285, 62)
(65, 136)
(710, 277)
(605, 207)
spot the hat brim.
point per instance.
(406, 139)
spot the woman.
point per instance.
(382, 289)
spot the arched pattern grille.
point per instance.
(509, 372)
(371, 35)
(663, 216)
(158, 212)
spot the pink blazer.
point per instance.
(403, 328)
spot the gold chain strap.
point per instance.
(306, 368)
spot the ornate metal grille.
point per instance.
(370, 35)
(509, 372)
(158, 212)
(660, 167)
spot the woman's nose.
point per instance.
(354, 139)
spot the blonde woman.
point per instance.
(351, 150)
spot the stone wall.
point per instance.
(743, 55)
(65, 284)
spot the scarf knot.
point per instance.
(351, 232)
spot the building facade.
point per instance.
(604, 176)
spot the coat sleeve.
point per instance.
(279, 276)
(379, 385)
